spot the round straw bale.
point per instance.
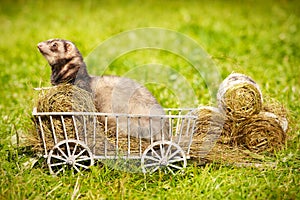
(239, 97)
(261, 132)
(208, 128)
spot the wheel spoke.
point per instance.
(57, 164)
(175, 166)
(173, 154)
(162, 151)
(76, 168)
(152, 158)
(170, 170)
(168, 150)
(59, 158)
(81, 165)
(151, 165)
(83, 159)
(176, 160)
(62, 152)
(158, 156)
(74, 150)
(80, 153)
(155, 169)
(68, 148)
(61, 169)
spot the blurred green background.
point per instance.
(258, 38)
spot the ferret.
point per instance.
(112, 94)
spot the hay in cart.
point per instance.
(55, 128)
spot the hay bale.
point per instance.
(239, 141)
(65, 98)
(208, 128)
(239, 97)
(244, 141)
(261, 133)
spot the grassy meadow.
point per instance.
(257, 38)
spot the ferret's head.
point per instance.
(65, 60)
(58, 51)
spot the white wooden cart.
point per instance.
(85, 146)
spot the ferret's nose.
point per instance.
(39, 45)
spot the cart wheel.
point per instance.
(166, 155)
(69, 154)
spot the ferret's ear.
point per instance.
(69, 46)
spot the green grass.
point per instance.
(258, 38)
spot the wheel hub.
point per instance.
(164, 161)
(71, 160)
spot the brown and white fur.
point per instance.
(112, 94)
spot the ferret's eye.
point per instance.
(54, 47)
